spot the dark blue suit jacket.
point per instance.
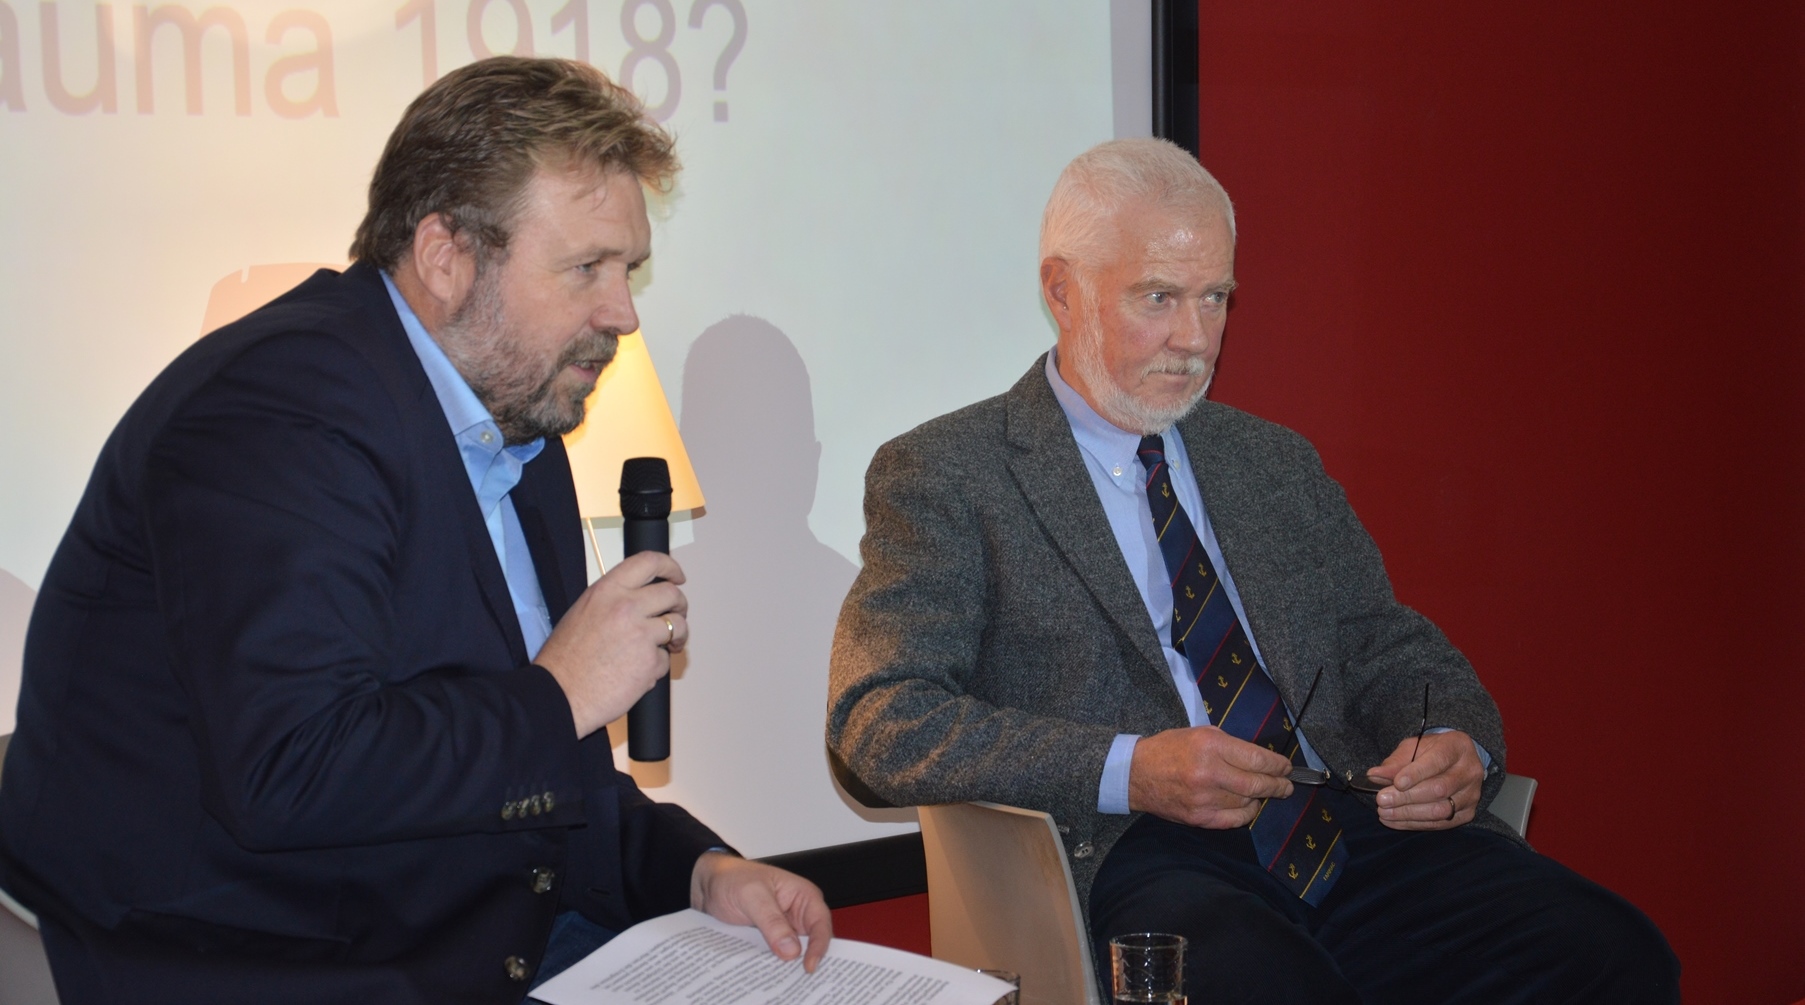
(276, 699)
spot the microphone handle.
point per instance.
(640, 534)
(649, 720)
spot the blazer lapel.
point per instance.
(1047, 466)
(545, 501)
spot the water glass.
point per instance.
(1147, 967)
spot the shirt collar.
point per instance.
(479, 438)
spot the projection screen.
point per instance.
(850, 251)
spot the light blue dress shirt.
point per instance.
(1110, 455)
(494, 469)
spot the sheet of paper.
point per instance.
(689, 958)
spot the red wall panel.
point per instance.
(1532, 277)
(901, 923)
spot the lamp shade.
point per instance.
(248, 289)
(627, 416)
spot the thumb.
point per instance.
(1388, 769)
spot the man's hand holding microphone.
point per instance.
(611, 652)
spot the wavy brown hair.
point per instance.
(469, 144)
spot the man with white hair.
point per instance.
(1157, 618)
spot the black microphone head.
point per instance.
(645, 488)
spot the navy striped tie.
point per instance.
(1298, 839)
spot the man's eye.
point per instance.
(1159, 296)
(1218, 298)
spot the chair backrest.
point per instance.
(1000, 896)
(1513, 801)
(24, 971)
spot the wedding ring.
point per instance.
(670, 635)
(1452, 809)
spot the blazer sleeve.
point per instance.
(275, 503)
(634, 858)
(919, 705)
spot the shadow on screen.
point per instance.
(764, 592)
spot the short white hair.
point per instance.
(1102, 180)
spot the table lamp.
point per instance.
(627, 416)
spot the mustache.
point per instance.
(596, 347)
(1189, 366)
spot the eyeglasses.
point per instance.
(1349, 781)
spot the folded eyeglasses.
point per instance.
(1349, 781)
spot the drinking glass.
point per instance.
(1147, 967)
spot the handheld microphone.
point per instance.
(645, 508)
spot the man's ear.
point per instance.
(444, 262)
(1056, 287)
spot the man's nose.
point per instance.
(1194, 330)
(615, 311)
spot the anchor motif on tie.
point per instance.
(1287, 724)
(1221, 681)
(1203, 570)
(1165, 490)
(1326, 818)
(1291, 870)
(1189, 595)
(1234, 658)
(1310, 841)
(1272, 748)
(1207, 710)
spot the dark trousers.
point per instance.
(1435, 917)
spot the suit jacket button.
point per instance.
(507, 811)
(535, 806)
(517, 968)
(1065, 828)
(544, 879)
(1084, 850)
(548, 802)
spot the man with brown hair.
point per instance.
(314, 694)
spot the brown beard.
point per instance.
(520, 395)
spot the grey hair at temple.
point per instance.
(1108, 176)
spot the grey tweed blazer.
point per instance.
(994, 643)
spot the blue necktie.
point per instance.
(1298, 839)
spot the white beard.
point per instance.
(1119, 406)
